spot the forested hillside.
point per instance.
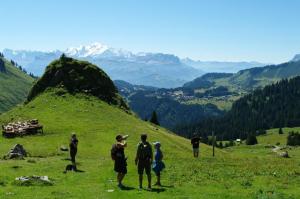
(276, 105)
(168, 104)
(209, 95)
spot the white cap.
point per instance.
(156, 144)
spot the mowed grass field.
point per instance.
(237, 172)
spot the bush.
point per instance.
(280, 131)
(261, 132)
(221, 145)
(231, 143)
(210, 140)
(204, 139)
(251, 139)
(293, 139)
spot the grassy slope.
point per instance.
(229, 175)
(14, 87)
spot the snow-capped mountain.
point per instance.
(97, 50)
(152, 69)
(86, 51)
(296, 57)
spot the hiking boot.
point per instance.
(157, 184)
(121, 186)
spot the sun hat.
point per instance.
(157, 144)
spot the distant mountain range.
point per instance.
(150, 69)
(296, 58)
(248, 79)
(221, 67)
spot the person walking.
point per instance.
(158, 164)
(73, 148)
(118, 155)
(195, 141)
(143, 160)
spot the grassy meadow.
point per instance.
(237, 172)
(15, 86)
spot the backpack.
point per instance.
(113, 152)
(144, 152)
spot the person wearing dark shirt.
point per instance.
(73, 148)
(195, 141)
(143, 160)
(118, 155)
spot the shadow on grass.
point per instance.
(76, 171)
(16, 167)
(79, 171)
(126, 188)
(167, 186)
(157, 190)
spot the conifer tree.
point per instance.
(251, 139)
(154, 118)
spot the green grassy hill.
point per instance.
(273, 137)
(248, 79)
(14, 85)
(231, 174)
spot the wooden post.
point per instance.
(213, 143)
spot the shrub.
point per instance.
(251, 139)
(221, 145)
(210, 140)
(280, 131)
(293, 139)
(231, 143)
(261, 132)
(204, 139)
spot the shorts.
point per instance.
(120, 166)
(196, 150)
(73, 155)
(144, 165)
(157, 167)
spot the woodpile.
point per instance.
(15, 129)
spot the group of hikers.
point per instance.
(144, 159)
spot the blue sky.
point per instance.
(260, 30)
